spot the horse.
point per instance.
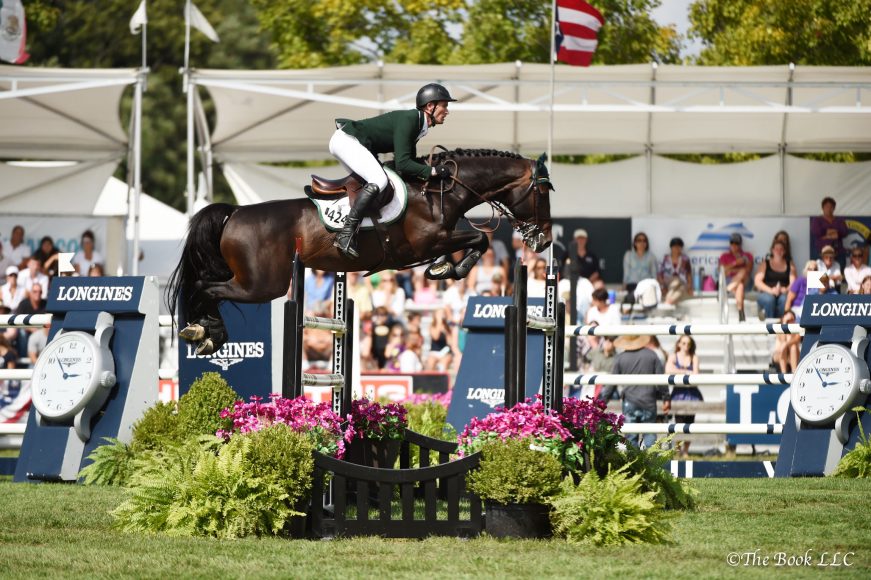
(245, 253)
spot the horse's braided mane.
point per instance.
(458, 153)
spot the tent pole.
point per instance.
(191, 190)
(137, 170)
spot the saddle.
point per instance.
(350, 185)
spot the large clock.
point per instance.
(73, 378)
(830, 380)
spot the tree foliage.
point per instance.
(765, 32)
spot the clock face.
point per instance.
(824, 384)
(64, 376)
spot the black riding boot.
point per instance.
(346, 240)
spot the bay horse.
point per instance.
(245, 253)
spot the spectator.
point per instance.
(394, 347)
(5, 261)
(11, 293)
(865, 286)
(601, 313)
(34, 302)
(830, 268)
(638, 264)
(737, 266)
(500, 285)
(684, 361)
(409, 359)
(440, 351)
(856, 271)
(583, 261)
(455, 298)
(87, 254)
(425, 293)
(481, 276)
(33, 275)
(676, 273)
(584, 294)
(8, 357)
(798, 290)
(360, 291)
(600, 361)
(47, 254)
(96, 269)
(499, 251)
(389, 295)
(318, 288)
(773, 280)
(381, 327)
(639, 401)
(18, 250)
(786, 346)
(828, 230)
(535, 283)
(36, 343)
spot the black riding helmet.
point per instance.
(432, 92)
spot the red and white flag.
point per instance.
(13, 32)
(577, 31)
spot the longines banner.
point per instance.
(706, 239)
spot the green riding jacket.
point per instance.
(394, 132)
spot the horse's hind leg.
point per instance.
(474, 243)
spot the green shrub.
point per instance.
(608, 511)
(157, 428)
(199, 410)
(511, 472)
(857, 462)
(111, 464)
(250, 487)
(651, 465)
(429, 418)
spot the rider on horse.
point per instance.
(356, 143)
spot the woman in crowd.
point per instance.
(865, 286)
(773, 280)
(830, 268)
(787, 347)
(440, 351)
(676, 273)
(394, 348)
(390, 295)
(638, 264)
(481, 276)
(856, 271)
(799, 289)
(535, 283)
(684, 361)
(87, 255)
(47, 254)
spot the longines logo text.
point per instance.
(92, 293)
(841, 309)
(490, 397)
(498, 310)
(230, 354)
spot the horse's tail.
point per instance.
(201, 258)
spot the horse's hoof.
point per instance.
(206, 347)
(440, 271)
(193, 332)
(466, 264)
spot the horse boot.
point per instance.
(346, 240)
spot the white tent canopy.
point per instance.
(281, 115)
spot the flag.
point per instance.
(196, 19)
(139, 19)
(577, 30)
(13, 32)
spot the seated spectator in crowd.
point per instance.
(318, 287)
(584, 295)
(481, 276)
(47, 254)
(799, 289)
(500, 251)
(828, 230)
(395, 346)
(33, 275)
(773, 280)
(12, 293)
(455, 298)
(536, 281)
(783, 236)
(440, 351)
(36, 343)
(830, 268)
(87, 254)
(865, 286)
(499, 285)
(583, 261)
(856, 271)
(360, 291)
(389, 295)
(34, 303)
(600, 361)
(18, 250)
(96, 270)
(787, 347)
(639, 264)
(8, 360)
(601, 313)
(409, 359)
(676, 273)
(5, 261)
(425, 293)
(737, 265)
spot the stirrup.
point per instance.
(348, 250)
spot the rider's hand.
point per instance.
(442, 172)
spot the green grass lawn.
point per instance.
(49, 531)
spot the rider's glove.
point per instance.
(442, 172)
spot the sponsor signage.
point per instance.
(118, 294)
(828, 309)
(756, 404)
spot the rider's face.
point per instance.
(439, 111)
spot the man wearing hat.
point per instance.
(831, 269)
(639, 401)
(582, 261)
(738, 266)
(11, 293)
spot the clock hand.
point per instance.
(62, 368)
(821, 377)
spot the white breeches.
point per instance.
(357, 159)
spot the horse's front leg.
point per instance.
(473, 244)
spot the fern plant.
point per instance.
(651, 466)
(857, 462)
(111, 464)
(608, 511)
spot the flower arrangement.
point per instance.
(317, 420)
(372, 420)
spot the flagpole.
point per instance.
(137, 168)
(188, 88)
(550, 109)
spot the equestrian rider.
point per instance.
(356, 144)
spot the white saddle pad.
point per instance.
(334, 211)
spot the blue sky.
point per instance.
(677, 12)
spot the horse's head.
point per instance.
(509, 182)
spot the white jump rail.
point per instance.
(12, 428)
(703, 428)
(38, 320)
(680, 380)
(684, 329)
